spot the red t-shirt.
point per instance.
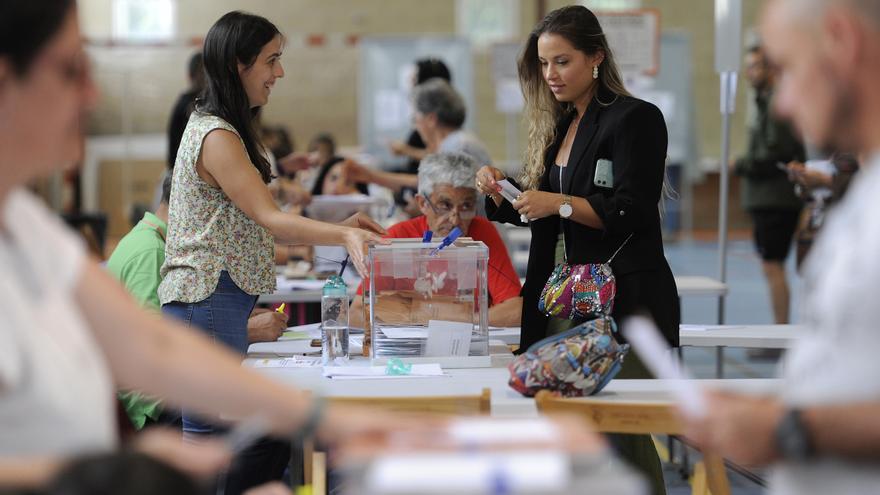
(502, 278)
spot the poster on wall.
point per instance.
(634, 37)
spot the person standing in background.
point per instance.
(415, 148)
(767, 193)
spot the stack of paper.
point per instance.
(481, 472)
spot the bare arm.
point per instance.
(401, 148)
(28, 472)
(742, 428)
(392, 180)
(507, 313)
(165, 359)
(223, 161)
(849, 430)
(583, 213)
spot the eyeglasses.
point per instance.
(444, 208)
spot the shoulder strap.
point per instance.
(618, 249)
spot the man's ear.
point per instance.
(420, 202)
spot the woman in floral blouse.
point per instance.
(222, 218)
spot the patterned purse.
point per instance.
(580, 291)
(575, 363)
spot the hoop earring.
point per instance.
(595, 72)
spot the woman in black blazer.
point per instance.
(591, 184)
(613, 149)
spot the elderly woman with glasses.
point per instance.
(447, 199)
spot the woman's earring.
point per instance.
(595, 72)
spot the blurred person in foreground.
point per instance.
(69, 333)
(821, 433)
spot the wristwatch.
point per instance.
(565, 209)
(792, 437)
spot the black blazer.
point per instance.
(631, 133)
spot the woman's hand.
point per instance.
(200, 460)
(538, 204)
(355, 172)
(363, 221)
(297, 161)
(487, 183)
(355, 240)
(398, 148)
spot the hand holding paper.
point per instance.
(644, 337)
(510, 193)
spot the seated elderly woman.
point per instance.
(447, 199)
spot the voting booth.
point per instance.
(429, 305)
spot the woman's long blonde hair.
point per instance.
(580, 27)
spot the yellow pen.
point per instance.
(280, 309)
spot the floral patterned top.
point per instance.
(207, 233)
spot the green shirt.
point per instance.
(136, 262)
(771, 142)
(137, 259)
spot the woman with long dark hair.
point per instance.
(592, 181)
(223, 221)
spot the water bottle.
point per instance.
(334, 322)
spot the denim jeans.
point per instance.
(223, 316)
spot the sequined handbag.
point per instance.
(575, 363)
(580, 291)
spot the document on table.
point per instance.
(310, 331)
(302, 332)
(288, 362)
(479, 431)
(703, 328)
(284, 283)
(474, 472)
(378, 372)
(645, 338)
(448, 338)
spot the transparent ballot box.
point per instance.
(429, 306)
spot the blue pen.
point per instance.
(449, 239)
(428, 236)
